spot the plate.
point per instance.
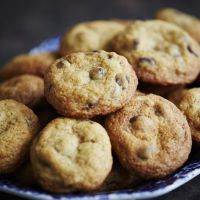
(147, 190)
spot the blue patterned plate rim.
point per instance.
(148, 190)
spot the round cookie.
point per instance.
(35, 64)
(90, 36)
(150, 136)
(27, 89)
(84, 85)
(71, 155)
(189, 103)
(18, 127)
(161, 53)
(187, 22)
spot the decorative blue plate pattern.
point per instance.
(147, 190)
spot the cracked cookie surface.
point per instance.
(18, 127)
(88, 84)
(161, 53)
(71, 155)
(150, 135)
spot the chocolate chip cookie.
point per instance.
(87, 84)
(35, 64)
(161, 53)
(27, 89)
(90, 36)
(150, 135)
(189, 23)
(188, 100)
(71, 155)
(18, 127)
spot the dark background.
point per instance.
(25, 23)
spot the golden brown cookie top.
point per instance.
(160, 52)
(189, 103)
(16, 116)
(27, 89)
(90, 36)
(189, 23)
(150, 136)
(89, 84)
(18, 127)
(76, 153)
(35, 64)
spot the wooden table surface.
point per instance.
(24, 24)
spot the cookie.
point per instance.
(188, 102)
(71, 155)
(150, 136)
(161, 53)
(18, 127)
(27, 89)
(86, 84)
(189, 23)
(35, 64)
(90, 36)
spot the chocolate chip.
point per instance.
(93, 141)
(89, 105)
(142, 154)
(135, 44)
(110, 56)
(133, 119)
(97, 73)
(192, 51)
(158, 111)
(121, 81)
(95, 51)
(60, 64)
(68, 58)
(118, 80)
(150, 61)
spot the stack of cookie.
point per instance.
(76, 118)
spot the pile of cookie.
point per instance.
(115, 106)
